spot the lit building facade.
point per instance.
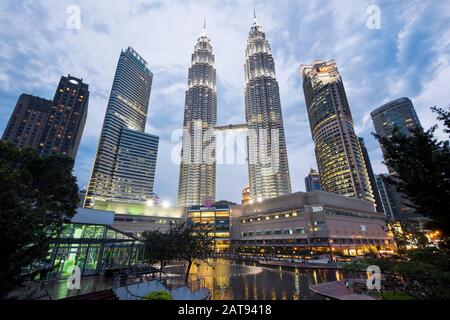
(246, 195)
(312, 181)
(67, 117)
(51, 127)
(314, 221)
(215, 221)
(338, 152)
(125, 162)
(266, 146)
(197, 183)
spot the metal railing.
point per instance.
(134, 275)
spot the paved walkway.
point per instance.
(337, 290)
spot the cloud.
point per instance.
(407, 57)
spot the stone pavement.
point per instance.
(337, 290)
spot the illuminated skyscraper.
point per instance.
(51, 127)
(266, 146)
(197, 184)
(124, 167)
(338, 152)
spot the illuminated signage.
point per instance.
(317, 209)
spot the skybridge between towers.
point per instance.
(235, 127)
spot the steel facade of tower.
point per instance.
(197, 184)
(338, 152)
(124, 166)
(266, 146)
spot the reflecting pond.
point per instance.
(237, 280)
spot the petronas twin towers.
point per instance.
(266, 147)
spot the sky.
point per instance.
(408, 54)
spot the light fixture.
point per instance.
(166, 204)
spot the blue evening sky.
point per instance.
(409, 56)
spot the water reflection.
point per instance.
(229, 280)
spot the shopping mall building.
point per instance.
(316, 221)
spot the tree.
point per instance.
(408, 233)
(160, 247)
(193, 244)
(422, 273)
(36, 196)
(422, 170)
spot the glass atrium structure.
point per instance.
(92, 248)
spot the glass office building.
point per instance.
(125, 162)
(399, 113)
(213, 220)
(373, 183)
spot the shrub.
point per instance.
(159, 295)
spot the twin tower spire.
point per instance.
(266, 148)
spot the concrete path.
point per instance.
(337, 290)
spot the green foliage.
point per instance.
(422, 166)
(182, 242)
(159, 295)
(422, 273)
(160, 247)
(36, 195)
(194, 244)
(410, 234)
(390, 295)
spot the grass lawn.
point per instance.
(390, 295)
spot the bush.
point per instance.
(159, 295)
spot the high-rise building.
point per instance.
(246, 195)
(197, 184)
(372, 179)
(399, 113)
(51, 127)
(387, 196)
(27, 123)
(338, 152)
(67, 117)
(124, 167)
(266, 145)
(312, 181)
